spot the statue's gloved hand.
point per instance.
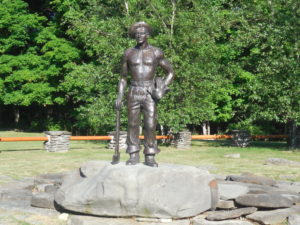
(118, 104)
(160, 89)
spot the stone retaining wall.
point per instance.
(240, 138)
(182, 139)
(122, 140)
(58, 141)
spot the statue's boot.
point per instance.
(134, 159)
(150, 161)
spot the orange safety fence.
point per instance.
(107, 138)
(12, 139)
(90, 138)
(207, 137)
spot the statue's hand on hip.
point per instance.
(160, 89)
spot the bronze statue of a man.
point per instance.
(145, 90)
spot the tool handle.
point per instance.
(117, 132)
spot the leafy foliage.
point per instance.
(236, 62)
(33, 59)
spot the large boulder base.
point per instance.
(169, 191)
(89, 220)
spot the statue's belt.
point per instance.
(142, 83)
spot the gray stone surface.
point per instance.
(51, 178)
(289, 186)
(294, 219)
(40, 187)
(266, 200)
(282, 162)
(230, 214)
(89, 220)
(231, 191)
(274, 216)
(293, 196)
(16, 197)
(5, 179)
(229, 204)
(17, 190)
(219, 177)
(201, 221)
(43, 200)
(252, 179)
(260, 189)
(51, 188)
(233, 156)
(119, 190)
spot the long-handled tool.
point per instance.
(116, 156)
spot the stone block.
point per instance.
(252, 179)
(233, 156)
(43, 200)
(231, 191)
(201, 221)
(282, 162)
(294, 219)
(226, 204)
(230, 214)
(267, 200)
(274, 216)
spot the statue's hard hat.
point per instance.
(137, 25)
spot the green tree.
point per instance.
(267, 33)
(100, 28)
(33, 58)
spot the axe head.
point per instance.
(116, 159)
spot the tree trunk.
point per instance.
(126, 7)
(16, 115)
(161, 127)
(49, 111)
(205, 128)
(294, 136)
(208, 127)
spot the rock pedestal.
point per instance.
(58, 141)
(169, 191)
(182, 139)
(122, 140)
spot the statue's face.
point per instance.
(141, 35)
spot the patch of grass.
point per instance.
(21, 159)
